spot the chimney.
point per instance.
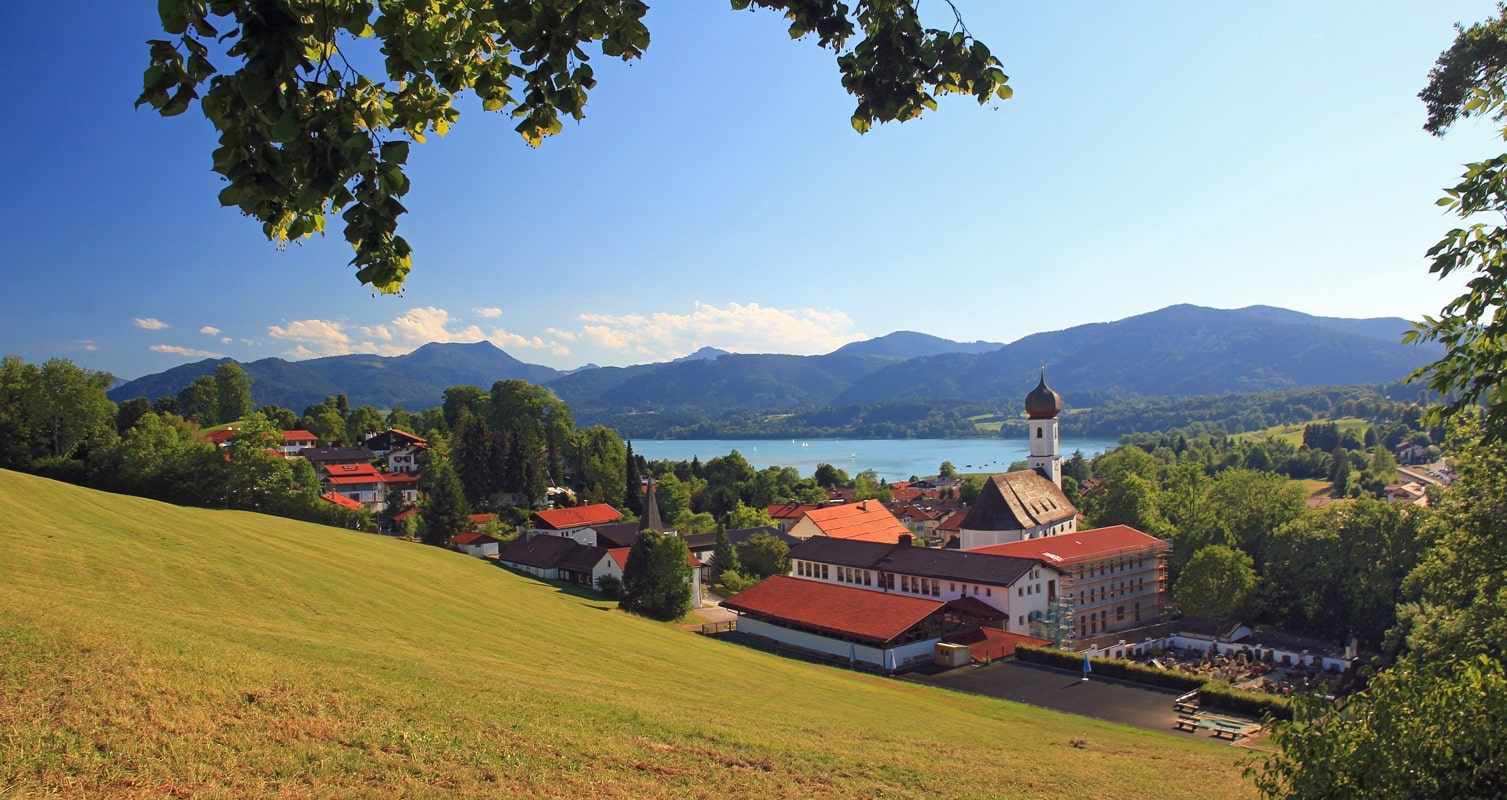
(904, 540)
(864, 506)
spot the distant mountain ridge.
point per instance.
(1181, 350)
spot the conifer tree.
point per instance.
(445, 511)
(724, 555)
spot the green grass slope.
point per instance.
(154, 651)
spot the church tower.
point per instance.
(1042, 407)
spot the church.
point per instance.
(1029, 503)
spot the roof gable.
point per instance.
(972, 566)
(343, 501)
(1018, 500)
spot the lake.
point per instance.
(892, 459)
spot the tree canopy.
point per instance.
(1468, 80)
(305, 133)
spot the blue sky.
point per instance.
(1219, 154)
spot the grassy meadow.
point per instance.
(148, 650)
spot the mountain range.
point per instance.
(1181, 350)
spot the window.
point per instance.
(824, 572)
(868, 578)
(988, 592)
(1120, 612)
(1022, 619)
(904, 583)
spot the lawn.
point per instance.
(148, 651)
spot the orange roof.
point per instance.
(620, 555)
(400, 477)
(341, 500)
(399, 517)
(842, 610)
(868, 521)
(993, 643)
(299, 436)
(1075, 548)
(352, 470)
(472, 537)
(579, 517)
(482, 519)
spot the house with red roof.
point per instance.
(295, 442)
(1114, 577)
(577, 522)
(867, 521)
(359, 482)
(475, 544)
(402, 488)
(888, 632)
(786, 515)
(390, 440)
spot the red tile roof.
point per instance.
(1074, 548)
(398, 478)
(399, 517)
(907, 493)
(863, 614)
(343, 501)
(218, 438)
(993, 643)
(562, 519)
(868, 521)
(299, 436)
(478, 520)
(620, 555)
(790, 510)
(472, 537)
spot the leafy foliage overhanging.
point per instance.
(305, 134)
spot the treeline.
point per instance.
(55, 420)
(1245, 543)
(1230, 414)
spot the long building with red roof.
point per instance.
(1115, 577)
(888, 631)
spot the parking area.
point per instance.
(1141, 706)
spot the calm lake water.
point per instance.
(892, 459)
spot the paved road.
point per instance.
(1129, 704)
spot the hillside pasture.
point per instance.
(148, 650)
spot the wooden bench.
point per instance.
(1187, 724)
(1185, 708)
(1225, 733)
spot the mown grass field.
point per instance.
(153, 651)
(1293, 434)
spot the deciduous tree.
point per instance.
(305, 134)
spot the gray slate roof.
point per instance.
(1016, 501)
(925, 562)
(540, 551)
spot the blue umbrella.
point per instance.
(1087, 667)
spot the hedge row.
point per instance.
(1218, 694)
(1120, 668)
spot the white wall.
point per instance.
(894, 658)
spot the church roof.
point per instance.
(651, 521)
(1075, 548)
(1042, 402)
(1016, 501)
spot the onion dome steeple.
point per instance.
(1042, 402)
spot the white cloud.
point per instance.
(416, 327)
(749, 328)
(183, 351)
(90, 346)
(210, 330)
(226, 340)
(489, 313)
(150, 323)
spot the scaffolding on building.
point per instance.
(1057, 624)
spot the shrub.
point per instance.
(1218, 694)
(610, 586)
